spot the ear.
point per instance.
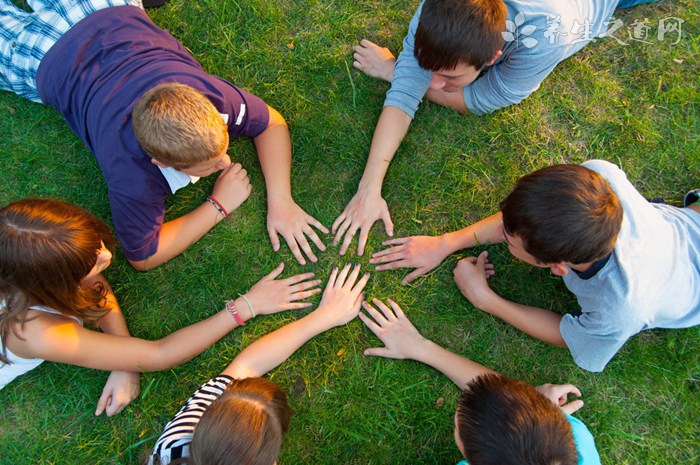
(559, 269)
(157, 163)
(495, 57)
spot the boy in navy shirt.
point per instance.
(94, 60)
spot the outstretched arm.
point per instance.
(537, 322)
(284, 216)
(58, 339)
(231, 189)
(367, 205)
(340, 304)
(424, 253)
(403, 341)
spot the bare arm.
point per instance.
(232, 188)
(537, 322)
(367, 205)
(340, 304)
(284, 216)
(424, 253)
(60, 339)
(403, 341)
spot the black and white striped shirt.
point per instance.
(174, 443)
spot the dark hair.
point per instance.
(564, 213)
(453, 32)
(246, 425)
(46, 248)
(502, 421)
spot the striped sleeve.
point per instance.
(174, 443)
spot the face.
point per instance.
(207, 167)
(104, 257)
(453, 80)
(516, 247)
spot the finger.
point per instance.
(356, 64)
(296, 305)
(337, 222)
(314, 237)
(353, 276)
(298, 278)
(274, 273)
(303, 295)
(342, 275)
(347, 240)
(301, 240)
(398, 263)
(274, 239)
(388, 224)
(483, 257)
(114, 408)
(304, 286)
(385, 252)
(572, 407)
(332, 277)
(411, 276)
(342, 228)
(378, 352)
(362, 241)
(388, 314)
(102, 403)
(294, 248)
(571, 389)
(361, 283)
(376, 316)
(397, 310)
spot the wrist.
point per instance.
(369, 188)
(220, 209)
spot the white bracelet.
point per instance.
(250, 306)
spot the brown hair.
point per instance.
(502, 421)
(453, 32)
(564, 213)
(178, 126)
(245, 426)
(46, 248)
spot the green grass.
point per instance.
(636, 106)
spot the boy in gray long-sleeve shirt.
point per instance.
(469, 55)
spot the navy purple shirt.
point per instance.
(96, 73)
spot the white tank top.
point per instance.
(18, 365)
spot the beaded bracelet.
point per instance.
(231, 308)
(220, 208)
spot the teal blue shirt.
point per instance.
(585, 445)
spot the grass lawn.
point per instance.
(635, 105)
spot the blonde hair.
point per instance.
(178, 126)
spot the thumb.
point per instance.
(388, 224)
(483, 259)
(274, 273)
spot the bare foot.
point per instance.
(374, 61)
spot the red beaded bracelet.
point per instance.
(231, 308)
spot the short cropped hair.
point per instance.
(564, 213)
(178, 126)
(453, 32)
(502, 421)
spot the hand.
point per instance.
(294, 224)
(342, 297)
(361, 213)
(558, 394)
(271, 295)
(470, 275)
(120, 389)
(232, 187)
(423, 253)
(398, 334)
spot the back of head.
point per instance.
(178, 126)
(46, 248)
(246, 425)
(506, 422)
(453, 32)
(564, 213)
